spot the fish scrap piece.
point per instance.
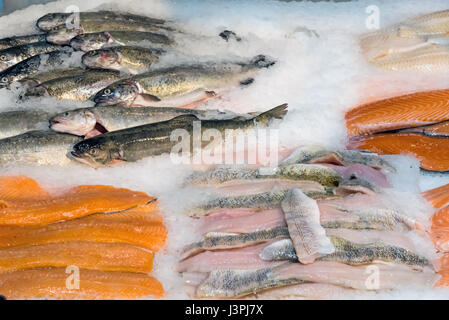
(306, 172)
(218, 241)
(98, 40)
(74, 203)
(38, 147)
(93, 284)
(303, 221)
(139, 226)
(438, 197)
(349, 253)
(88, 255)
(429, 150)
(411, 110)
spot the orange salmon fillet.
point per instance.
(440, 229)
(52, 283)
(17, 208)
(438, 197)
(433, 152)
(139, 227)
(401, 112)
(88, 255)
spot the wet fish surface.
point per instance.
(10, 42)
(13, 123)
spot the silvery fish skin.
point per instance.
(52, 20)
(37, 148)
(307, 172)
(10, 42)
(229, 241)
(98, 40)
(38, 78)
(113, 118)
(349, 253)
(238, 283)
(79, 87)
(133, 60)
(164, 87)
(62, 35)
(31, 66)
(140, 142)
(13, 123)
(319, 154)
(14, 55)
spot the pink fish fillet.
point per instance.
(364, 172)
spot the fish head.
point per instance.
(62, 35)
(49, 21)
(123, 92)
(8, 58)
(102, 59)
(91, 41)
(6, 79)
(96, 152)
(78, 122)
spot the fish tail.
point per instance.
(262, 61)
(438, 197)
(276, 113)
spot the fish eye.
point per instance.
(66, 114)
(107, 91)
(3, 57)
(93, 151)
(4, 79)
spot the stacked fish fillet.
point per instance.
(320, 225)
(420, 44)
(120, 69)
(88, 242)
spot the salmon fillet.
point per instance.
(438, 197)
(18, 207)
(87, 255)
(138, 226)
(431, 151)
(411, 110)
(51, 283)
(440, 229)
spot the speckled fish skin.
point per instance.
(10, 42)
(349, 253)
(174, 83)
(149, 140)
(37, 148)
(62, 35)
(51, 20)
(308, 172)
(79, 87)
(32, 66)
(113, 118)
(14, 55)
(229, 241)
(133, 60)
(13, 123)
(238, 283)
(38, 78)
(98, 40)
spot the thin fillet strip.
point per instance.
(88, 255)
(440, 129)
(401, 112)
(138, 227)
(433, 152)
(52, 283)
(438, 197)
(74, 203)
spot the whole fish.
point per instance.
(83, 121)
(14, 55)
(38, 78)
(37, 147)
(181, 85)
(78, 87)
(308, 172)
(31, 66)
(13, 123)
(51, 20)
(155, 139)
(62, 35)
(133, 60)
(6, 43)
(349, 253)
(98, 40)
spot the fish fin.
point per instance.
(149, 97)
(262, 61)
(116, 162)
(276, 113)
